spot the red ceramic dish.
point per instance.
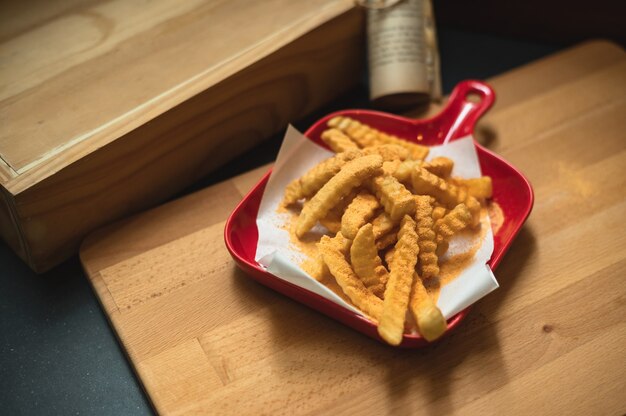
(511, 190)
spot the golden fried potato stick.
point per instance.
(426, 237)
(398, 291)
(457, 219)
(389, 152)
(426, 183)
(418, 152)
(351, 175)
(320, 268)
(480, 188)
(314, 179)
(367, 136)
(404, 170)
(360, 211)
(390, 167)
(358, 132)
(395, 198)
(337, 141)
(382, 224)
(430, 321)
(440, 166)
(438, 213)
(474, 208)
(349, 282)
(386, 240)
(366, 262)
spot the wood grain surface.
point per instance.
(206, 339)
(108, 108)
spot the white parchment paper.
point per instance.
(276, 253)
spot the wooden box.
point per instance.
(109, 108)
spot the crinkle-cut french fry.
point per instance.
(366, 262)
(386, 240)
(456, 220)
(390, 167)
(398, 291)
(351, 175)
(418, 152)
(440, 166)
(389, 152)
(315, 178)
(355, 128)
(404, 170)
(360, 211)
(439, 212)
(320, 269)
(338, 122)
(426, 183)
(360, 133)
(395, 198)
(349, 282)
(430, 321)
(428, 260)
(461, 195)
(382, 224)
(337, 141)
(480, 188)
(332, 220)
(474, 208)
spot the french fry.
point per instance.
(440, 166)
(390, 167)
(389, 152)
(480, 188)
(349, 282)
(474, 208)
(439, 212)
(397, 293)
(395, 198)
(430, 321)
(315, 178)
(359, 131)
(337, 141)
(457, 219)
(360, 211)
(426, 183)
(418, 152)
(366, 262)
(428, 260)
(381, 199)
(382, 224)
(349, 177)
(404, 170)
(387, 240)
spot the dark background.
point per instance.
(58, 354)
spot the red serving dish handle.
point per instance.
(511, 190)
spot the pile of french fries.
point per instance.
(392, 216)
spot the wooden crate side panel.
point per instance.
(175, 149)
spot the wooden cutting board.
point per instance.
(204, 338)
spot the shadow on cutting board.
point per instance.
(301, 339)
